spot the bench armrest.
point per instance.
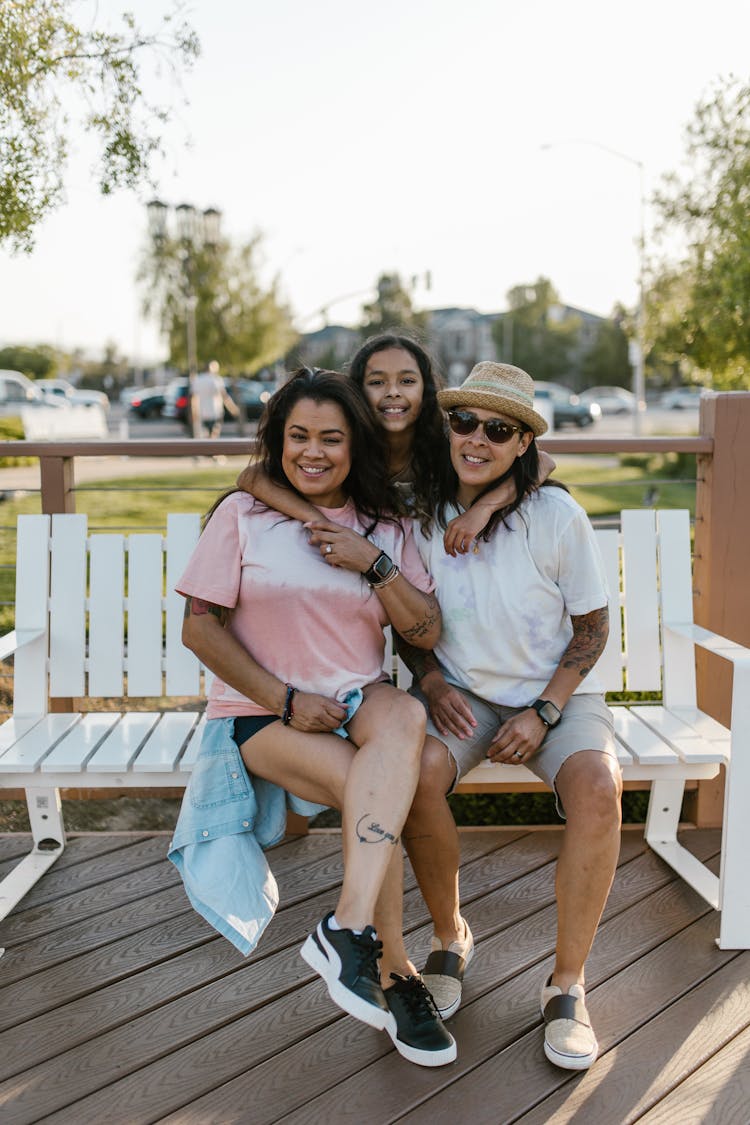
(732, 651)
(17, 638)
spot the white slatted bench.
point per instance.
(97, 618)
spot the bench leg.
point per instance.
(661, 836)
(45, 814)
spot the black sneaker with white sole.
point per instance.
(348, 963)
(419, 1033)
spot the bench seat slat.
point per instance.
(678, 730)
(123, 742)
(32, 747)
(681, 719)
(642, 742)
(187, 761)
(74, 750)
(162, 750)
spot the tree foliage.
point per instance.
(531, 334)
(35, 362)
(699, 306)
(392, 308)
(239, 321)
(52, 71)
(607, 361)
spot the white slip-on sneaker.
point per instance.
(569, 1039)
(444, 971)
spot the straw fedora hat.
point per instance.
(500, 387)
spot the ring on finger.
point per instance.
(329, 548)
(517, 754)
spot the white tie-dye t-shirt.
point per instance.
(312, 625)
(506, 610)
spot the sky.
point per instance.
(407, 135)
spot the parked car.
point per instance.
(147, 402)
(61, 389)
(177, 400)
(611, 400)
(567, 408)
(250, 393)
(682, 398)
(16, 391)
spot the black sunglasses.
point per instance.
(463, 422)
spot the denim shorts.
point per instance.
(586, 724)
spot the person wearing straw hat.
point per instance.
(513, 679)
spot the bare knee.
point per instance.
(590, 791)
(436, 775)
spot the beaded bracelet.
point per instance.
(288, 713)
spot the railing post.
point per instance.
(57, 479)
(58, 484)
(722, 555)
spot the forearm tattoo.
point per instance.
(590, 632)
(419, 661)
(370, 832)
(196, 607)
(427, 623)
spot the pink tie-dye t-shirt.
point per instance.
(312, 625)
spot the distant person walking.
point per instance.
(212, 399)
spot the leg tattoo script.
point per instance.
(370, 832)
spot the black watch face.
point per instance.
(382, 566)
(549, 713)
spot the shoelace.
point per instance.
(417, 996)
(369, 950)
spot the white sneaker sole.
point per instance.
(343, 997)
(422, 1058)
(570, 1062)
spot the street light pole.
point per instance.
(195, 230)
(637, 350)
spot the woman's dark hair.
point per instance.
(427, 461)
(367, 484)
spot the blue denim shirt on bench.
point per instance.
(226, 821)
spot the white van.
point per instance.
(16, 391)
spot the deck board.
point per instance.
(119, 1004)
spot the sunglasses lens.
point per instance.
(462, 423)
(498, 432)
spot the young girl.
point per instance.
(396, 377)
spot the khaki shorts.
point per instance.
(586, 724)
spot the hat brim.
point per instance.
(460, 396)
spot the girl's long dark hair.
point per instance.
(429, 450)
(367, 484)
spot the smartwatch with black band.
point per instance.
(380, 570)
(548, 712)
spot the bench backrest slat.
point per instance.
(610, 664)
(32, 592)
(183, 670)
(106, 624)
(677, 607)
(67, 639)
(642, 640)
(145, 618)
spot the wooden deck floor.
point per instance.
(119, 1004)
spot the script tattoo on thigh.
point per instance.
(370, 832)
